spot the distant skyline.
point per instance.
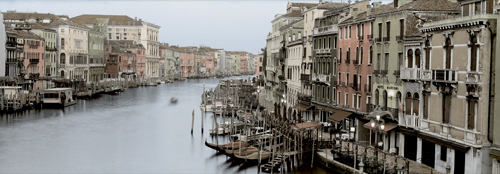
(232, 25)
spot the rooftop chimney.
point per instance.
(368, 10)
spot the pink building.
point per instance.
(124, 60)
(244, 64)
(186, 62)
(207, 61)
(34, 53)
(259, 67)
(355, 66)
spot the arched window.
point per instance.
(409, 61)
(448, 47)
(416, 103)
(62, 43)
(361, 56)
(340, 55)
(62, 73)
(473, 53)
(398, 100)
(62, 59)
(408, 102)
(417, 58)
(357, 55)
(376, 97)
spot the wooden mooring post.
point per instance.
(192, 124)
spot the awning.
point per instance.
(339, 116)
(387, 128)
(306, 126)
(303, 106)
(331, 110)
(436, 140)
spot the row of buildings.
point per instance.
(43, 46)
(411, 77)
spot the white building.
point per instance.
(3, 51)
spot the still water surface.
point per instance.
(136, 131)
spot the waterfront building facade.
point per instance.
(294, 56)
(186, 64)
(96, 55)
(34, 52)
(244, 64)
(50, 37)
(260, 69)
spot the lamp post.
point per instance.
(283, 102)
(377, 125)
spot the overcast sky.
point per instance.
(234, 25)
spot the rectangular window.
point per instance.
(349, 32)
(444, 152)
(124, 36)
(338, 98)
(401, 28)
(335, 42)
(388, 26)
(465, 10)
(380, 31)
(117, 36)
(340, 33)
(471, 114)
(477, 8)
(354, 100)
(386, 61)
(346, 102)
(371, 28)
(426, 105)
(378, 61)
(400, 61)
(446, 108)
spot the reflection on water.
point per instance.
(137, 131)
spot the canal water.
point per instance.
(136, 131)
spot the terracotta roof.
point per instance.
(295, 13)
(361, 16)
(419, 5)
(118, 19)
(29, 35)
(56, 21)
(332, 5)
(307, 5)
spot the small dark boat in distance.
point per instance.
(174, 100)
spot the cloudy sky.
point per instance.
(234, 25)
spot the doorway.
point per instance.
(428, 151)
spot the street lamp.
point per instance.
(378, 126)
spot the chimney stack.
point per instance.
(368, 10)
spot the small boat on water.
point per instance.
(61, 97)
(242, 151)
(262, 155)
(174, 100)
(229, 146)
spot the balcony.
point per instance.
(325, 29)
(348, 60)
(370, 37)
(384, 72)
(34, 61)
(321, 78)
(357, 87)
(304, 98)
(323, 51)
(11, 60)
(426, 75)
(361, 38)
(409, 120)
(444, 75)
(410, 74)
(396, 73)
(376, 72)
(386, 39)
(399, 38)
(50, 49)
(350, 85)
(62, 66)
(343, 84)
(473, 77)
(271, 68)
(377, 40)
(368, 88)
(305, 77)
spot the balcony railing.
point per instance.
(376, 72)
(399, 38)
(368, 88)
(322, 51)
(410, 74)
(384, 72)
(357, 87)
(386, 39)
(351, 85)
(343, 84)
(361, 38)
(473, 77)
(50, 49)
(355, 62)
(62, 66)
(347, 61)
(408, 120)
(370, 37)
(304, 98)
(11, 60)
(377, 39)
(34, 61)
(321, 78)
(326, 29)
(426, 75)
(305, 77)
(396, 73)
(444, 75)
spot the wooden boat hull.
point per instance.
(262, 155)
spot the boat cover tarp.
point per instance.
(306, 126)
